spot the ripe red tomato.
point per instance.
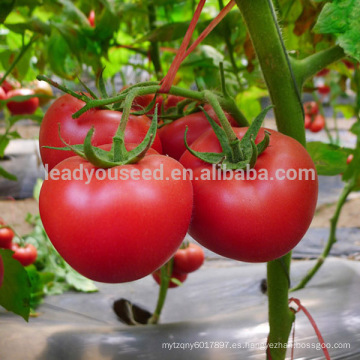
(1, 271)
(253, 219)
(307, 121)
(8, 85)
(112, 229)
(189, 259)
(2, 96)
(6, 236)
(323, 72)
(323, 89)
(349, 158)
(25, 255)
(311, 108)
(350, 65)
(73, 131)
(317, 124)
(174, 275)
(26, 107)
(172, 135)
(91, 18)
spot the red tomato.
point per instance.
(323, 89)
(73, 131)
(91, 18)
(6, 236)
(1, 271)
(26, 107)
(2, 96)
(317, 124)
(323, 72)
(174, 275)
(188, 259)
(349, 158)
(8, 85)
(311, 108)
(112, 229)
(172, 135)
(307, 121)
(253, 219)
(25, 255)
(350, 65)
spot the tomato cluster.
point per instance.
(10, 89)
(26, 254)
(119, 231)
(187, 259)
(313, 121)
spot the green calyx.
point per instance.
(236, 154)
(117, 155)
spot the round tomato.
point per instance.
(317, 124)
(116, 225)
(250, 218)
(73, 131)
(2, 96)
(6, 236)
(25, 255)
(26, 107)
(323, 89)
(174, 275)
(307, 121)
(1, 271)
(42, 88)
(311, 108)
(8, 85)
(172, 135)
(189, 259)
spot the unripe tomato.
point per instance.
(43, 88)
(25, 255)
(26, 107)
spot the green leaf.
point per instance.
(79, 282)
(16, 287)
(7, 175)
(329, 159)
(5, 9)
(341, 18)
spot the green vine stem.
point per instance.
(18, 57)
(265, 34)
(165, 277)
(227, 103)
(332, 236)
(154, 45)
(308, 67)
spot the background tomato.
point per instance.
(2, 96)
(6, 236)
(174, 275)
(189, 259)
(317, 124)
(311, 108)
(42, 88)
(307, 121)
(323, 89)
(253, 220)
(91, 18)
(172, 135)
(117, 230)
(25, 255)
(26, 107)
(73, 131)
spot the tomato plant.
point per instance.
(180, 277)
(22, 107)
(106, 214)
(252, 229)
(188, 259)
(73, 131)
(26, 254)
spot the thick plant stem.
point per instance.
(154, 46)
(332, 237)
(259, 16)
(260, 19)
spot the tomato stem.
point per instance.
(165, 278)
